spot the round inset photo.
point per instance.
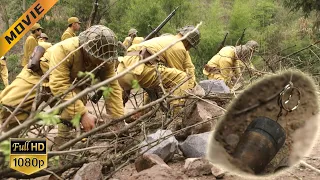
(267, 128)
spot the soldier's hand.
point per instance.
(88, 121)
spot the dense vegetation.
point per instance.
(278, 25)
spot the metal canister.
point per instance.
(259, 144)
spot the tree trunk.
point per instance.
(4, 16)
(93, 14)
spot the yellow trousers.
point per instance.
(11, 97)
(170, 77)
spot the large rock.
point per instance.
(165, 149)
(194, 167)
(158, 172)
(214, 86)
(199, 111)
(195, 145)
(90, 171)
(147, 161)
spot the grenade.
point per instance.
(259, 144)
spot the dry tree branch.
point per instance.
(87, 90)
(76, 150)
(297, 51)
(48, 171)
(70, 143)
(310, 167)
(126, 128)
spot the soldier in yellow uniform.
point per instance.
(60, 79)
(173, 65)
(104, 48)
(132, 38)
(227, 64)
(4, 71)
(43, 41)
(73, 26)
(31, 43)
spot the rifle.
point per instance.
(155, 31)
(97, 96)
(158, 34)
(240, 39)
(223, 42)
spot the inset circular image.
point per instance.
(269, 127)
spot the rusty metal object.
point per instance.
(259, 144)
(34, 61)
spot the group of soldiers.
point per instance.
(96, 45)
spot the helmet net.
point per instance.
(100, 42)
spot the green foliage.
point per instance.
(106, 91)
(85, 74)
(54, 161)
(5, 149)
(49, 119)
(135, 84)
(76, 120)
(307, 6)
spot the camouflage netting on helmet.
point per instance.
(193, 38)
(243, 52)
(252, 45)
(132, 31)
(100, 42)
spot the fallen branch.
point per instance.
(72, 142)
(298, 51)
(131, 125)
(76, 150)
(310, 167)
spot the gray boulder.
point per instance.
(165, 149)
(195, 145)
(214, 86)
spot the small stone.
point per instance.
(158, 172)
(194, 167)
(217, 172)
(90, 171)
(147, 161)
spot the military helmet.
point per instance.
(43, 35)
(193, 38)
(132, 31)
(254, 45)
(242, 52)
(100, 42)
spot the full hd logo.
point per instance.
(28, 155)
